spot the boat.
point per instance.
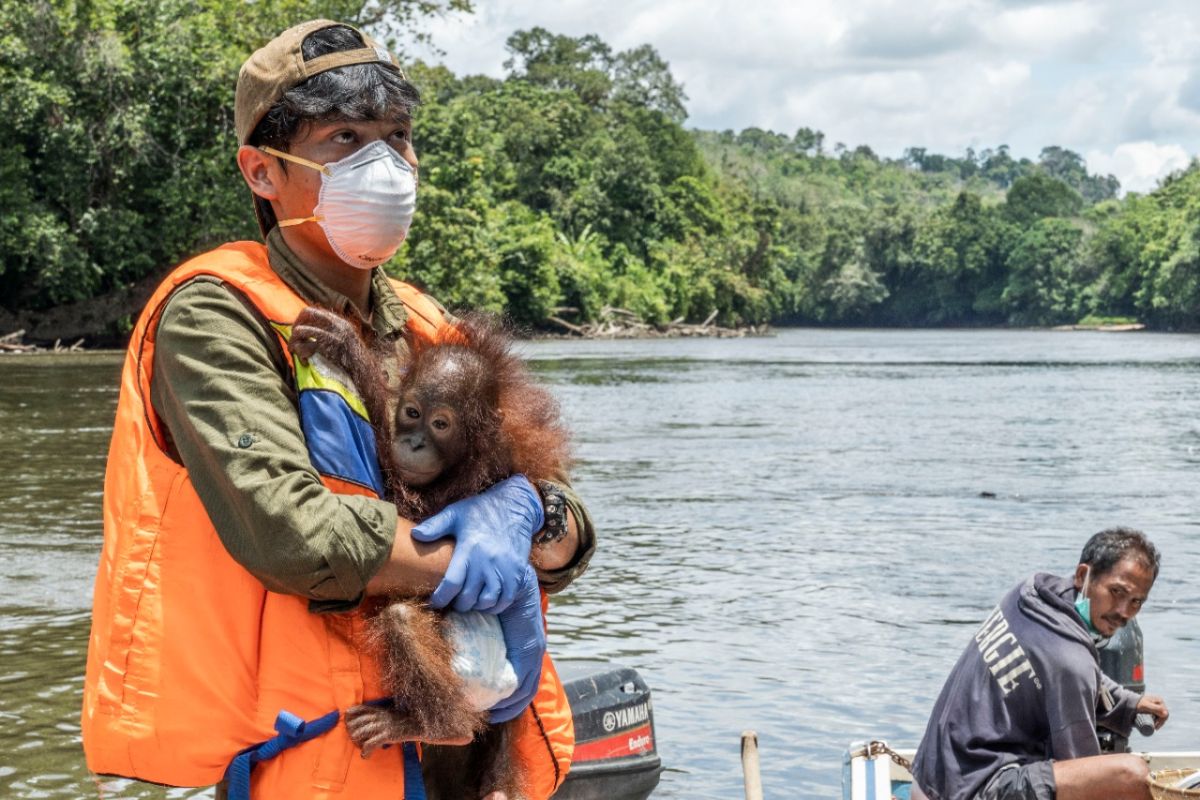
(616, 752)
(874, 771)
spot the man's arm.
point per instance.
(560, 563)
(1118, 706)
(222, 389)
(412, 567)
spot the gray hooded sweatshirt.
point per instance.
(1027, 688)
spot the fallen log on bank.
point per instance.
(621, 323)
(15, 343)
(1123, 327)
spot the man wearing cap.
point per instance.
(243, 510)
(1016, 719)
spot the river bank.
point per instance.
(104, 323)
(613, 323)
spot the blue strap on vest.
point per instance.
(414, 781)
(294, 731)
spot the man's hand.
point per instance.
(491, 531)
(525, 644)
(1154, 705)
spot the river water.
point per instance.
(794, 532)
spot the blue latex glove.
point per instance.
(492, 533)
(525, 644)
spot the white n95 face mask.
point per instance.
(366, 203)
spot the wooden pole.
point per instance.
(753, 780)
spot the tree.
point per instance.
(641, 78)
(581, 65)
(888, 247)
(808, 141)
(960, 257)
(1069, 167)
(1063, 164)
(1000, 167)
(1036, 196)
(1042, 289)
(759, 139)
(915, 156)
(1144, 259)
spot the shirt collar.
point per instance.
(388, 314)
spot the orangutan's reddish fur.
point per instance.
(512, 426)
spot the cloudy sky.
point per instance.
(1115, 80)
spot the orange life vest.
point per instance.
(190, 657)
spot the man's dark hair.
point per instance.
(370, 91)
(1108, 547)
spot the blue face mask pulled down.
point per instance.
(1083, 604)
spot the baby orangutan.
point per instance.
(467, 415)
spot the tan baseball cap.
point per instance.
(279, 65)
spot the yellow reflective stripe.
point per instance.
(309, 377)
(317, 375)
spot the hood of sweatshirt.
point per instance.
(1049, 600)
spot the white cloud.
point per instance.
(728, 36)
(914, 32)
(1139, 166)
(1009, 75)
(1166, 31)
(1046, 29)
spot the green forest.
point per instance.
(570, 185)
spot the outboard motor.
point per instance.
(615, 753)
(1122, 659)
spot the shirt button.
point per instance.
(245, 441)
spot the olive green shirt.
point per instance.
(224, 391)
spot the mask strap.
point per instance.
(304, 162)
(287, 223)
